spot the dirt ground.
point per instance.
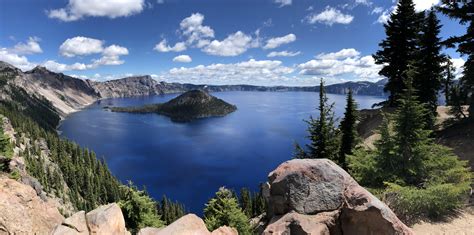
(461, 225)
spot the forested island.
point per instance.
(188, 106)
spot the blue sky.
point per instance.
(261, 42)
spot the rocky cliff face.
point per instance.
(22, 211)
(127, 87)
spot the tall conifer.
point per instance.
(348, 130)
(399, 48)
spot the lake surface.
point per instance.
(189, 161)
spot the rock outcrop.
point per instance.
(315, 196)
(23, 212)
(188, 224)
(107, 219)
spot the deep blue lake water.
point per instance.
(189, 161)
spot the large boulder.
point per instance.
(188, 224)
(23, 212)
(315, 196)
(107, 219)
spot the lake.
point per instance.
(190, 161)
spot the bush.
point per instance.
(224, 209)
(434, 202)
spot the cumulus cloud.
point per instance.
(342, 54)
(283, 54)
(111, 56)
(182, 59)
(421, 5)
(16, 60)
(164, 47)
(346, 62)
(192, 28)
(458, 64)
(59, 67)
(78, 9)
(329, 17)
(30, 47)
(235, 44)
(247, 72)
(283, 3)
(79, 46)
(278, 41)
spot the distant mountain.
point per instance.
(68, 94)
(190, 105)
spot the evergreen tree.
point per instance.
(462, 10)
(457, 98)
(246, 202)
(224, 209)
(322, 131)
(399, 48)
(448, 79)
(139, 209)
(429, 67)
(348, 130)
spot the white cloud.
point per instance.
(59, 67)
(235, 44)
(344, 63)
(342, 54)
(247, 72)
(77, 9)
(283, 3)
(79, 46)
(30, 47)
(164, 47)
(182, 59)
(278, 41)
(421, 5)
(110, 56)
(160, 1)
(385, 16)
(377, 10)
(458, 64)
(16, 60)
(283, 54)
(329, 17)
(192, 28)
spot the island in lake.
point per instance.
(188, 106)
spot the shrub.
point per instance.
(433, 202)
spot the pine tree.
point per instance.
(224, 209)
(322, 131)
(429, 66)
(412, 135)
(348, 130)
(448, 79)
(399, 48)
(246, 202)
(457, 98)
(462, 10)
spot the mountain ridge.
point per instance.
(69, 94)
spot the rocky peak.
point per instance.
(40, 70)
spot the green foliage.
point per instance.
(457, 98)
(252, 203)
(448, 79)
(15, 175)
(434, 202)
(139, 210)
(349, 136)
(413, 169)
(171, 211)
(399, 48)
(429, 69)
(6, 148)
(223, 209)
(462, 11)
(322, 132)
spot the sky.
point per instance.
(257, 42)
